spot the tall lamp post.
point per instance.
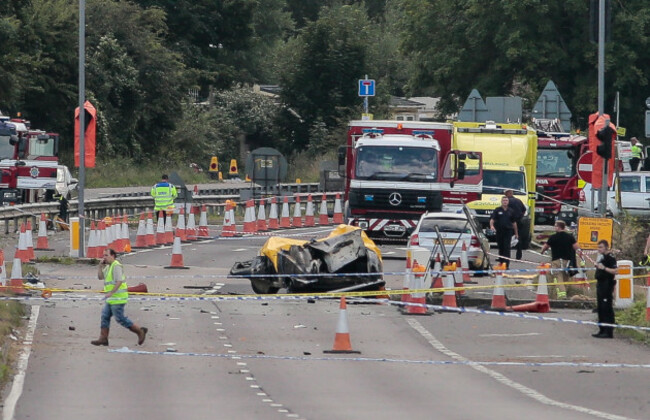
(82, 124)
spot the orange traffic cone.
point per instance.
(21, 250)
(126, 234)
(250, 225)
(498, 294)
(417, 282)
(273, 214)
(309, 212)
(140, 288)
(16, 281)
(30, 241)
(177, 254)
(91, 252)
(342, 339)
(160, 229)
(150, 235)
(228, 228)
(191, 225)
(42, 242)
(285, 221)
(297, 213)
(261, 217)
(542, 288)
(203, 222)
(540, 307)
(338, 210)
(464, 263)
(169, 229)
(449, 296)
(323, 217)
(141, 235)
(459, 281)
(180, 225)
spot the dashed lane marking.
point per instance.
(529, 392)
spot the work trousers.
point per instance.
(519, 246)
(116, 311)
(634, 163)
(504, 237)
(605, 299)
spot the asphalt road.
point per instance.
(264, 360)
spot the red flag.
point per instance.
(89, 135)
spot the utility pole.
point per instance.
(602, 206)
(82, 124)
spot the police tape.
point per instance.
(320, 296)
(126, 350)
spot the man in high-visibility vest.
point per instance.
(637, 154)
(163, 194)
(116, 296)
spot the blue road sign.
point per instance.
(366, 87)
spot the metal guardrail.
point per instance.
(99, 208)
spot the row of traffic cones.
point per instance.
(258, 222)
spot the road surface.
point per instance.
(264, 359)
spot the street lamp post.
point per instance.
(82, 124)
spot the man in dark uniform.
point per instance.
(502, 221)
(519, 210)
(605, 272)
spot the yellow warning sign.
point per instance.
(591, 230)
(621, 131)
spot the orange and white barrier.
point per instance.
(16, 281)
(624, 290)
(436, 283)
(273, 214)
(285, 221)
(101, 239)
(498, 293)
(228, 229)
(169, 229)
(261, 217)
(342, 342)
(406, 297)
(459, 278)
(250, 225)
(323, 216)
(91, 252)
(177, 254)
(126, 234)
(42, 243)
(309, 213)
(464, 263)
(21, 250)
(417, 283)
(297, 213)
(338, 210)
(542, 285)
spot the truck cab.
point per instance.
(509, 162)
(396, 171)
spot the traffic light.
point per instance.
(605, 135)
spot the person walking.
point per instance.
(563, 249)
(606, 269)
(519, 210)
(163, 194)
(112, 272)
(503, 222)
(637, 154)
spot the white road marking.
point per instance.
(240, 249)
(509, 335)
(529, 392)
(552, 356)
(19, 380)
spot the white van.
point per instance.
(635, 196)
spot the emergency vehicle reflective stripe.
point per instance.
(121, 296)
(380, 224)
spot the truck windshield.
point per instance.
(496, 182)
(6, 149)
(416, 164)
(554, 163)
(41, 148)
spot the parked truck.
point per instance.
(394, 171)
(557, 177)
(509, 162)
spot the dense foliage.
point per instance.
(150, 61)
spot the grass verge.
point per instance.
(11, 318)
(123, 172)
(634, 315)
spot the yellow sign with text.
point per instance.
(591, 230)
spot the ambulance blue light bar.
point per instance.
(372, 130)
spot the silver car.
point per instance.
(454, 231)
